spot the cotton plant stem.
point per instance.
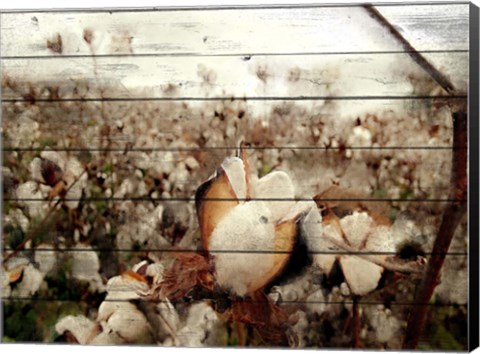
(356, 324)
(452, 215)
(454, 210)
(411, 267)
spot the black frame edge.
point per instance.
(473, 115)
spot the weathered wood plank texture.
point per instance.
(356, 75)
(153, 101)
(235, 32)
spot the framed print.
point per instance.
(262, 176)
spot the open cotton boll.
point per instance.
(31, 281)
(86, 266)
(200, 321)
(30, 190)
(80, 327)
(247, 227)
(129, 323)
(46, 257)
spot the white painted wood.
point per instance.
(262, 76)
(248, 31)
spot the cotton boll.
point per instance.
(86, 266)
(46, 259)
(384, 324)
(316, 302)
(30, 190)
(35, 169)
(129, 323)
(31, 281)
(80, 327)
(294, 290)
(247, 227)
(298, 332)
(16, 217)
(200, 321)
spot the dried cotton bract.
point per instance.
(248, 225)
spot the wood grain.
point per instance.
(350, 75)
(236, 31)
(120, 89)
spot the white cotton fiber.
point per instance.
(235, 171)
(247, 227)
(361, 275)
(276, 185)
(357, 227)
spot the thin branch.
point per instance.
(452, 216)
(411, 267)
(455, 209)
(356, 324)
(439, 77)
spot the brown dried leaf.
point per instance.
(186, 272)
(269, 320)
(330, 201)
(51, 172)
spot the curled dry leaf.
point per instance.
(186, 271)
(248, 225)
(268, 319)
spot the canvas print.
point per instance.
(260, 176)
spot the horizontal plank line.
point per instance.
(245, 56)
(298, 302)
(171, 250)
(179, 199)
(215, 148)
(231, 98)
(228, 7)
